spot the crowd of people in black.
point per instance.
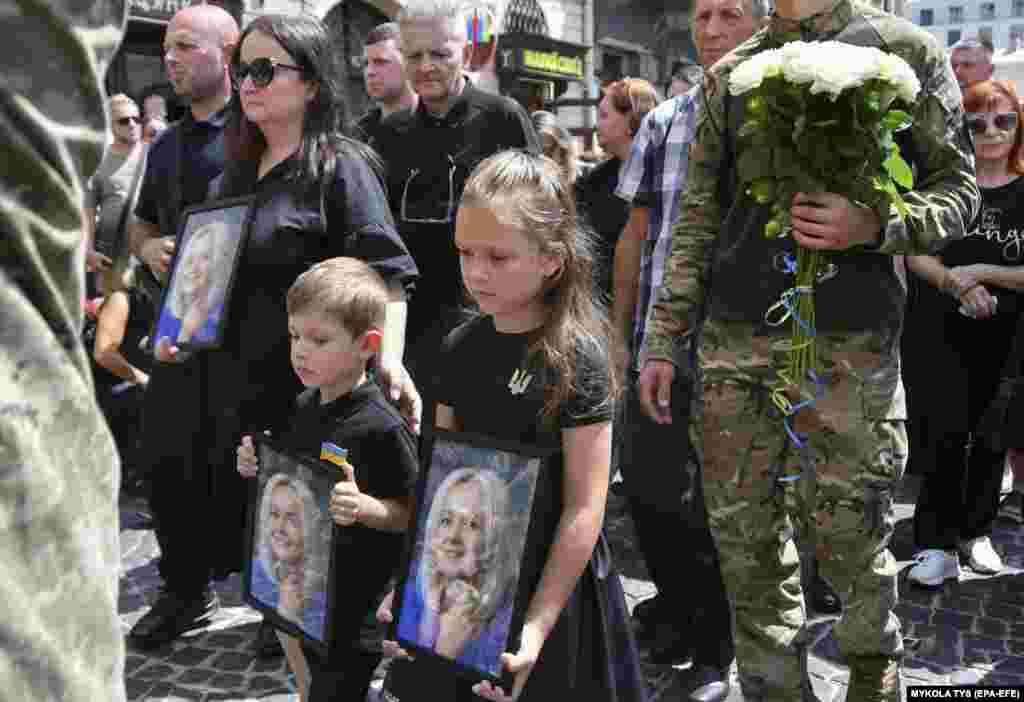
(415, 269)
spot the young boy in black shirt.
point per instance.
(335, 320)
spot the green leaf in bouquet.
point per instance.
(899, 170)
(897, 120)
(762, 190)
(755, 163)
(751, 129)
(755, 105)
(887, 186)
(850, 147)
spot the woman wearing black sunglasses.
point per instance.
(962, 328)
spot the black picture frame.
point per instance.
(505, 475)
(307, 483)
(218, 229)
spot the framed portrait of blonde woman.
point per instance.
(209, 243)
(459, 599)
(289, 566)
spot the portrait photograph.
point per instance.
(288, 569)
(458, 594)
(208, 246)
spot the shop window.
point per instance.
(927, 17)
(952, 37)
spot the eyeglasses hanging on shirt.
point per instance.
(428, 212)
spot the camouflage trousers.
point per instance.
(831, 480)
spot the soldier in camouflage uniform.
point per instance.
(60, 638)
(838, 488)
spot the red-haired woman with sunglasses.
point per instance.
(963, 327)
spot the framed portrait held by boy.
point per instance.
(289, 568)
(207, 250)
(457, 600)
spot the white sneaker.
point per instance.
(934, 567)
(981, 556)
(1007, 485)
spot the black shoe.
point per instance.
(267, 645)
(669, 646)
(705, 684)
(171, 616)
(821, 598)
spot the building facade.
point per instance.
(1001, 21)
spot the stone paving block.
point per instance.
(991, 627)
(917, 595)
(265, 683)
(168, 692)
(268, 665)
(956, 621)
(136, 688)
(232, 662)
(133, 662)
(1003, 680)
(959, 603)
(1003, 610)
(196, 676)
(228, 681)
(225, 639)
(1013, 665)
(189, 656)
(908, 612)
(973, 643)
(156, 671)
(978, 658)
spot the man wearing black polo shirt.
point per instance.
(429, 154)
(182, 162)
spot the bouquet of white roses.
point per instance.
(820, 117)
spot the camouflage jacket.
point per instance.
(723, 269)
(60, 637)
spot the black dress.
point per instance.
(590, 654)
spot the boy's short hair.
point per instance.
(345, 289)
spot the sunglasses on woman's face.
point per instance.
(978, 122)
(262, 71)
(125, 121)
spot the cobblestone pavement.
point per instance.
(968, 632)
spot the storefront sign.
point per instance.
(553, 62)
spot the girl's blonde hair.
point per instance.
(527, 193)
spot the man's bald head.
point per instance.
(211, 21)
(197, 52)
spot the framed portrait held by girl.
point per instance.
(192, 313)
(458, 592)
(289, 568)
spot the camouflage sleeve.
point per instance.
(60, 637)
(682, 289)
(945, 198)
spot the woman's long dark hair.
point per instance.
(325, 135)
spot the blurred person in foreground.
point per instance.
(59, 540)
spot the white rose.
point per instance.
(898, 72)
(799, 62)
(751, 73)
